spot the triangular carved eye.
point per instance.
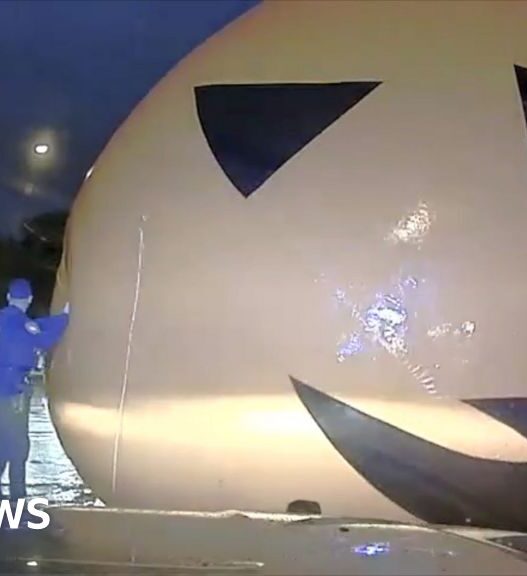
(254, 129)
(521, 77)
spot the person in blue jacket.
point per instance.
(23, 342)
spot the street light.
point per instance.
(41, 149)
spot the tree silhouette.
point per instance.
(36, 256)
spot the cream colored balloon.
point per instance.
(192, 305)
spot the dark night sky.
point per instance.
(75, 69)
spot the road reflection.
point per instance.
(50, 473)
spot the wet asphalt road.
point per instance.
(50, 473)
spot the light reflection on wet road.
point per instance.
(50, 473)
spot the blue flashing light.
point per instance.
(372, 549)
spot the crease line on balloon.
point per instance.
(124, 386)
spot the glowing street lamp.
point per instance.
(41, 149)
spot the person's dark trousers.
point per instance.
(14, 442)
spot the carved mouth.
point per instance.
(433, 483)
